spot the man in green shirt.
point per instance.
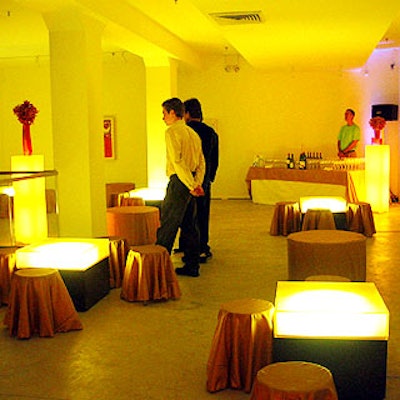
(349, 136)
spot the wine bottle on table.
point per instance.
(292, 162)
(302, 160)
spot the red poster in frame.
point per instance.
(109, 137)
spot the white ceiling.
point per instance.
(292, 33)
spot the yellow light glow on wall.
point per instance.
(377, 177)
(334, 310)
(30, 217)
(149, 193)
(70, 254)
(333, 203)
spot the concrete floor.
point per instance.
(159, 351)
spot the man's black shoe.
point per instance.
(205, 256)
(188, 271)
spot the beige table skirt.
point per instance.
(326, 252)
(334, 177)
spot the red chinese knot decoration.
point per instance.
(26, 114)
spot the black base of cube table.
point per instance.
(340, 221)
(87, 287)
(358, 366)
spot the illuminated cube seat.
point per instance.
(83, 265)
(343, 326)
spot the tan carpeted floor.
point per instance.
(159, 351)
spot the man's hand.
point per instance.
(197, 191)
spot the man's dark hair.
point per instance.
(352, 111)
(174, 104)
(193, 107)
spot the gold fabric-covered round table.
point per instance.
(7, 266)
(327, 252)
(149, 275)
(39, 302)
(294, 380)
(137, 224)
(318, 219)
(118, 251)
(360, 218)
(124, 201)
(286, 218)
(242, 344)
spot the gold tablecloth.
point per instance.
(342, 178)
(39, 303)
(318, 219)
(326, 252)
(137, 224)
(114, 189)
(360, 218)
(125, 200)
(7, 267)
(149, 275)
(286, 218)
(242, 344)
(294, 380)
(118, 252)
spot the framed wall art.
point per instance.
(109, 137)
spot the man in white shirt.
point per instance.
(185, 168)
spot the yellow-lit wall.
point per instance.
(271, 114)
(25, 79)
(268, 113)
(125, 98)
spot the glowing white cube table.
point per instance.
(336, 204)
(83, 265)
(343, 326)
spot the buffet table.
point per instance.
(272, 185)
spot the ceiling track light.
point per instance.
(231, 63)
(232, 68)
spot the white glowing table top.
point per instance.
(63, 253)
(336, 310)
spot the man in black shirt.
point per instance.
(209, 139)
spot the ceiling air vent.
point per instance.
(237, 18)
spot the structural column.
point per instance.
(76, 90)
(161, 85)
